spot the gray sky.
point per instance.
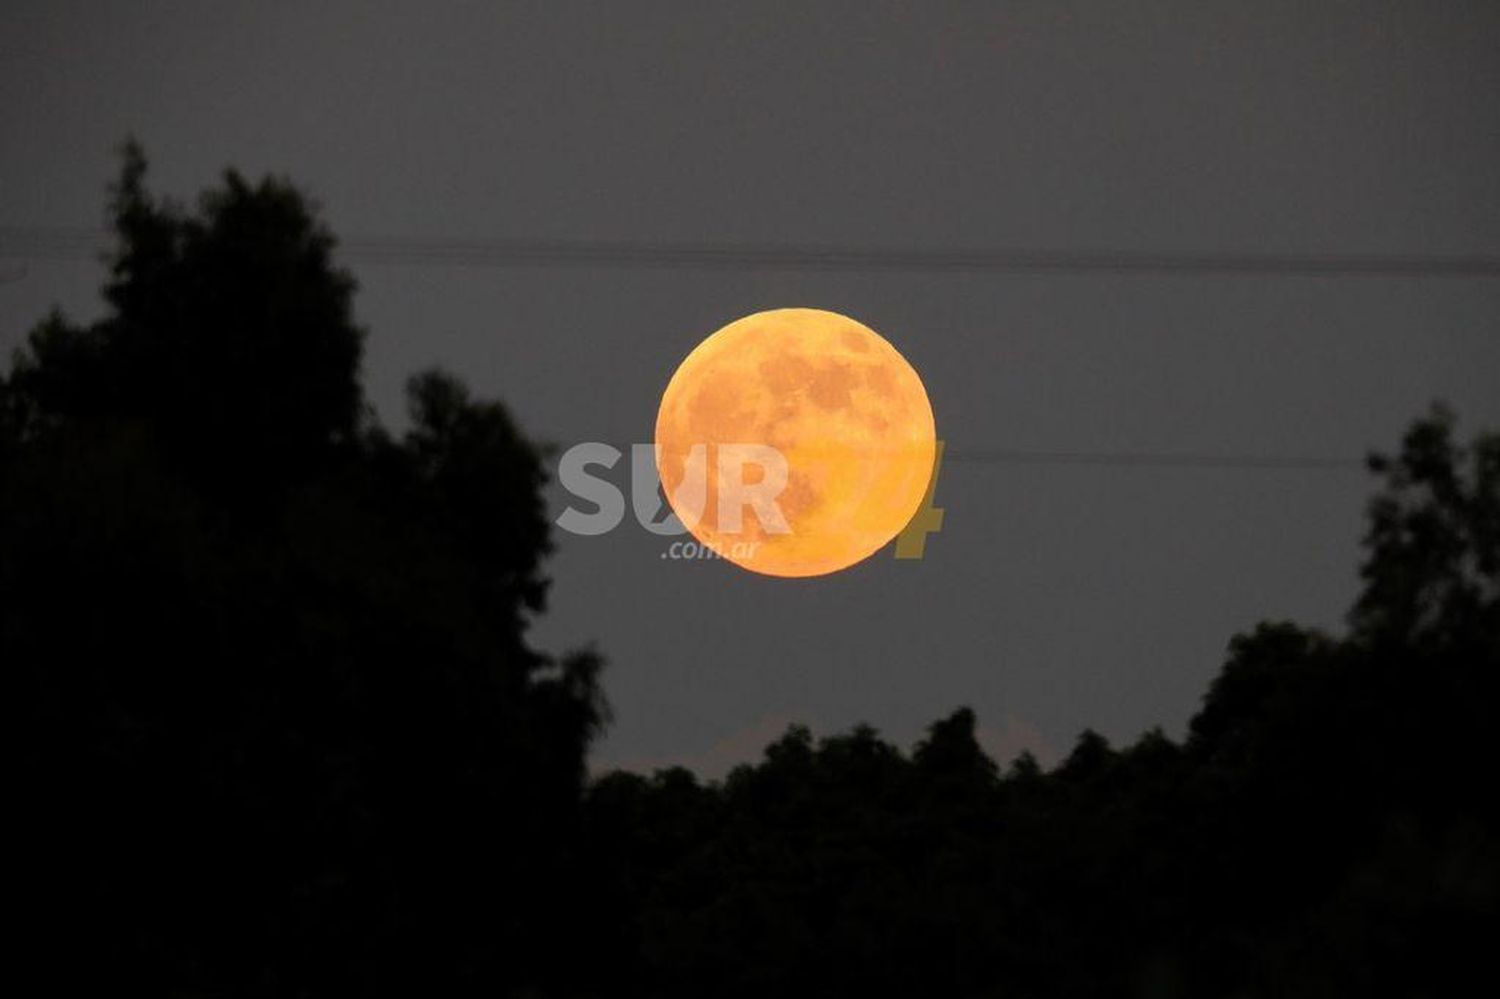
(1058, 596)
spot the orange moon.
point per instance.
(841, 405)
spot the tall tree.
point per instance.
(282, 731)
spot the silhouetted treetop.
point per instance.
(487, 477)
(952, 749)
(229, 335)
(1432, 572)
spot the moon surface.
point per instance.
(837, 401)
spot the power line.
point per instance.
(60, 243)
(1143, 459)
(74, 244)
(64, 243)
(1151, 459)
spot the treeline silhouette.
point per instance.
(1322, 831)
(281, 732)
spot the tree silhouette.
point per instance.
(1434, 541)
(281, 730)
(1321, 831)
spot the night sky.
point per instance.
(1087, 575)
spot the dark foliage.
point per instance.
(280, 729)
(1323, 830)
(280, 732)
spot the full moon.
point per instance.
(833, 398)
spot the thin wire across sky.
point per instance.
(63, 243)
(77, 243)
